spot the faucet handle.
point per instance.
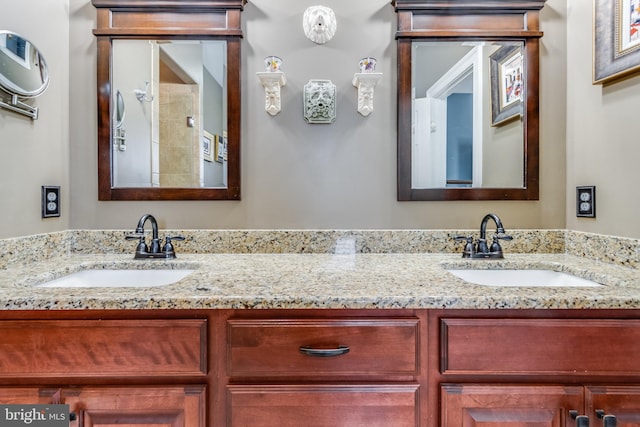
(168, 246)
(142, 246)
(495, 246)
(168, 239)
(468, 247)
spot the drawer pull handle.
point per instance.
(324, 352)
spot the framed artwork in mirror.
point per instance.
(224, 146)
(208, 142)
(616, 33)
(507, 84)
(219, 149)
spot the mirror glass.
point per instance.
(467, 125)
(23, 70)
(174, 134)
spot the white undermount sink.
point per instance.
(521, 278)
(118, 278)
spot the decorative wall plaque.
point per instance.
(319, 101)
(319, 24)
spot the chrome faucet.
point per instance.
(480, 250)
(153, 249)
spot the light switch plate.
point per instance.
(586, 201)
(50, 201)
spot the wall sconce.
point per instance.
(272, 80)
(366, 81)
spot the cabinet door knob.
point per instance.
(607, 420)
(581, 420)
(324, 352)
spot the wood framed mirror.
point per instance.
(468, 99)
(176, 66)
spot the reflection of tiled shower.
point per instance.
(179, 142)
(155, 123)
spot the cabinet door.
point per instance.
(323, 406)
(509, 405)
(169, 406)
(621, 402)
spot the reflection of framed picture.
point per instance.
(507, 84)
(219, 149)
(224, 144)
(208, 145)
(616, 39)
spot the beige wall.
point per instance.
(294, 175)
(36, 153)
(603, 148)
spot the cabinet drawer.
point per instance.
(272, 347)
(103, 348)
(323, 405)
(540, 346)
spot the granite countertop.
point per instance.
(374, 280)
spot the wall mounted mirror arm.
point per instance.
(20, 107)
(182, 143)
(468, 99)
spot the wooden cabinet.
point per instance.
(103, 348)
(130, 372)
(277, 347)
(509, 405)
(539, 405)
(131, 405)
(540, 346)
(608, 405)
(530, 370)
(321, 368)
(138, 405)
(324, 405)
(321, 372)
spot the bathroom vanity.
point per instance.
(317, 339)
(398, 367)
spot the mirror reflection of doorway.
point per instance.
(459, 140)
(448, 126)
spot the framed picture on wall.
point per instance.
(507, 84)
(208, 146)
(616, 39)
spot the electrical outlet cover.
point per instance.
(586, 201)
(50, 201)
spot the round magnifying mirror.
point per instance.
(119, 112)
(23, 70)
